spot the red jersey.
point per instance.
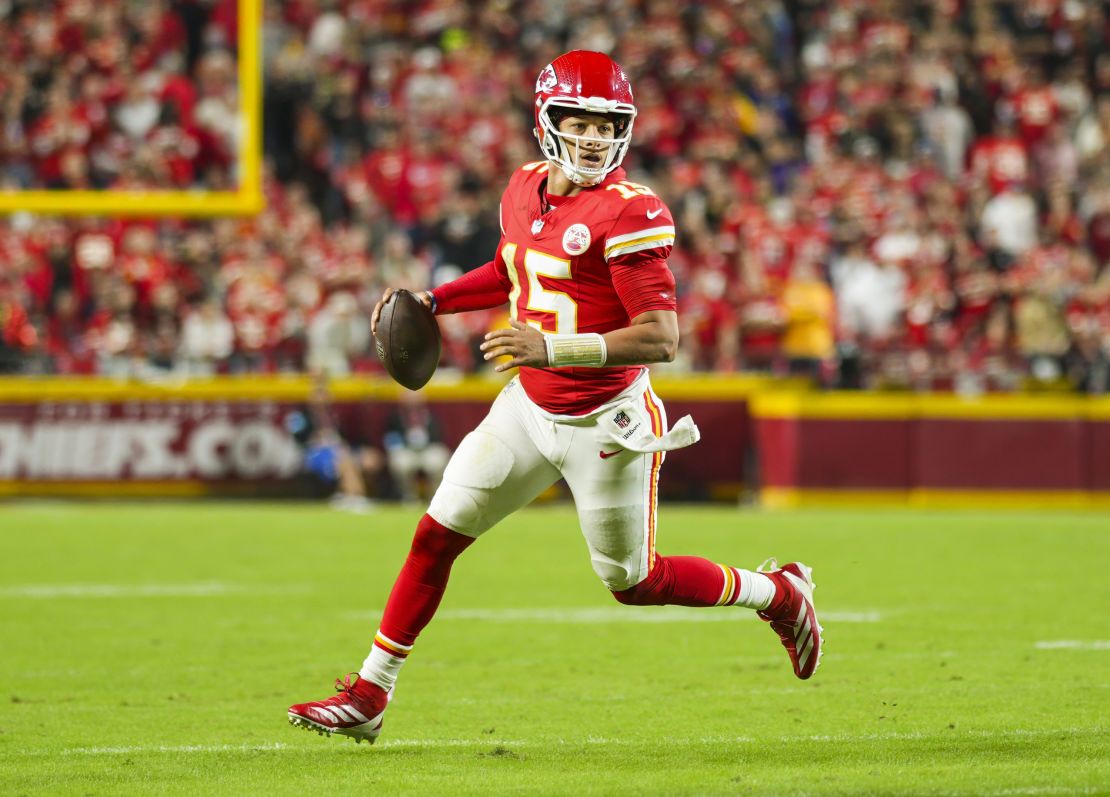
(591, 263)
(1001, 159)
(1036, 110)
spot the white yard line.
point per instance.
(198, 590)
(1031, 790)
(259, 748)
(1073, 644)
(169, 748)
(589, 741)
(452, 743)
(616, 614)
(591, 615)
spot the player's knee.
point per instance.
(479, 466)
(459, 507)
(616, 577)
(655, 589)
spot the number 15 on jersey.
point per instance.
(560, 311)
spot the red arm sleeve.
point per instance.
(637, 250)
(643, 282)
(484, 287)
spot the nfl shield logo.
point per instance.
(622, 420)
(537, 225)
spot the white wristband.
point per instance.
(586, 350)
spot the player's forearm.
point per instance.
(647, 341)
(480, 289)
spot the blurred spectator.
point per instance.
(1008, 225)
(341, 471)
(17, 336)
(871, 297)
(335, 334)
(207, 338)
(809, 308)
(414, 448)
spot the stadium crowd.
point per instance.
(892, 193)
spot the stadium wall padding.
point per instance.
(932, 449)
(230, 436)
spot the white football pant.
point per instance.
(519, 450)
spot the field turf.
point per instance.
(153, 649)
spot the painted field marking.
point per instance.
(181, 748)
(198, 590)
(589, 740)
(591, 616)
(259, 748)
(1073, 644)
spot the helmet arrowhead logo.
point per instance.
(547, 80)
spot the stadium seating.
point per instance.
(882, 194)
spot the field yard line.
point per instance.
(1073, 644)
(257, 748)
(451, 742)
(977, 733)
(590, 615)
(180, 748)
(588, 740)
(1024, 790)
(205, 589)
(848, 738)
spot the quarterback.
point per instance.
(582, 262)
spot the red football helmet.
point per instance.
(589, 82)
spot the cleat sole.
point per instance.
(298, 721)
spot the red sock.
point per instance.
(677, 580)
(419, 587)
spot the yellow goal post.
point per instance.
(247, 199)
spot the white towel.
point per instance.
(630, 428)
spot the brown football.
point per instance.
(408, 341)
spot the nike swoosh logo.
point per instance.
(653, 214)
(607, 454)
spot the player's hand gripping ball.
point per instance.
(407, 339)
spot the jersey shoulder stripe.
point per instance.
(539, 167)
(640, 240)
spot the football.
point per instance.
(408, 340)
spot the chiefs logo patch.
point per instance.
(576, 239)
(547, 80)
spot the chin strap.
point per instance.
(578, 179)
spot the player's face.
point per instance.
(592, 134)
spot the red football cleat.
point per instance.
(356, 711)
(792, 615)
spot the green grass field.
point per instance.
(153, 649)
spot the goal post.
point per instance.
(247, 199)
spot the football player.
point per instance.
(582, 262)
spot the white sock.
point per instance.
(745, 588)
(384, 662)
(756, 590)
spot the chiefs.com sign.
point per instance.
(146, 441)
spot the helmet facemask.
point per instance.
(557, 147)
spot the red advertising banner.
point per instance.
(244, 436)
(97, 441)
